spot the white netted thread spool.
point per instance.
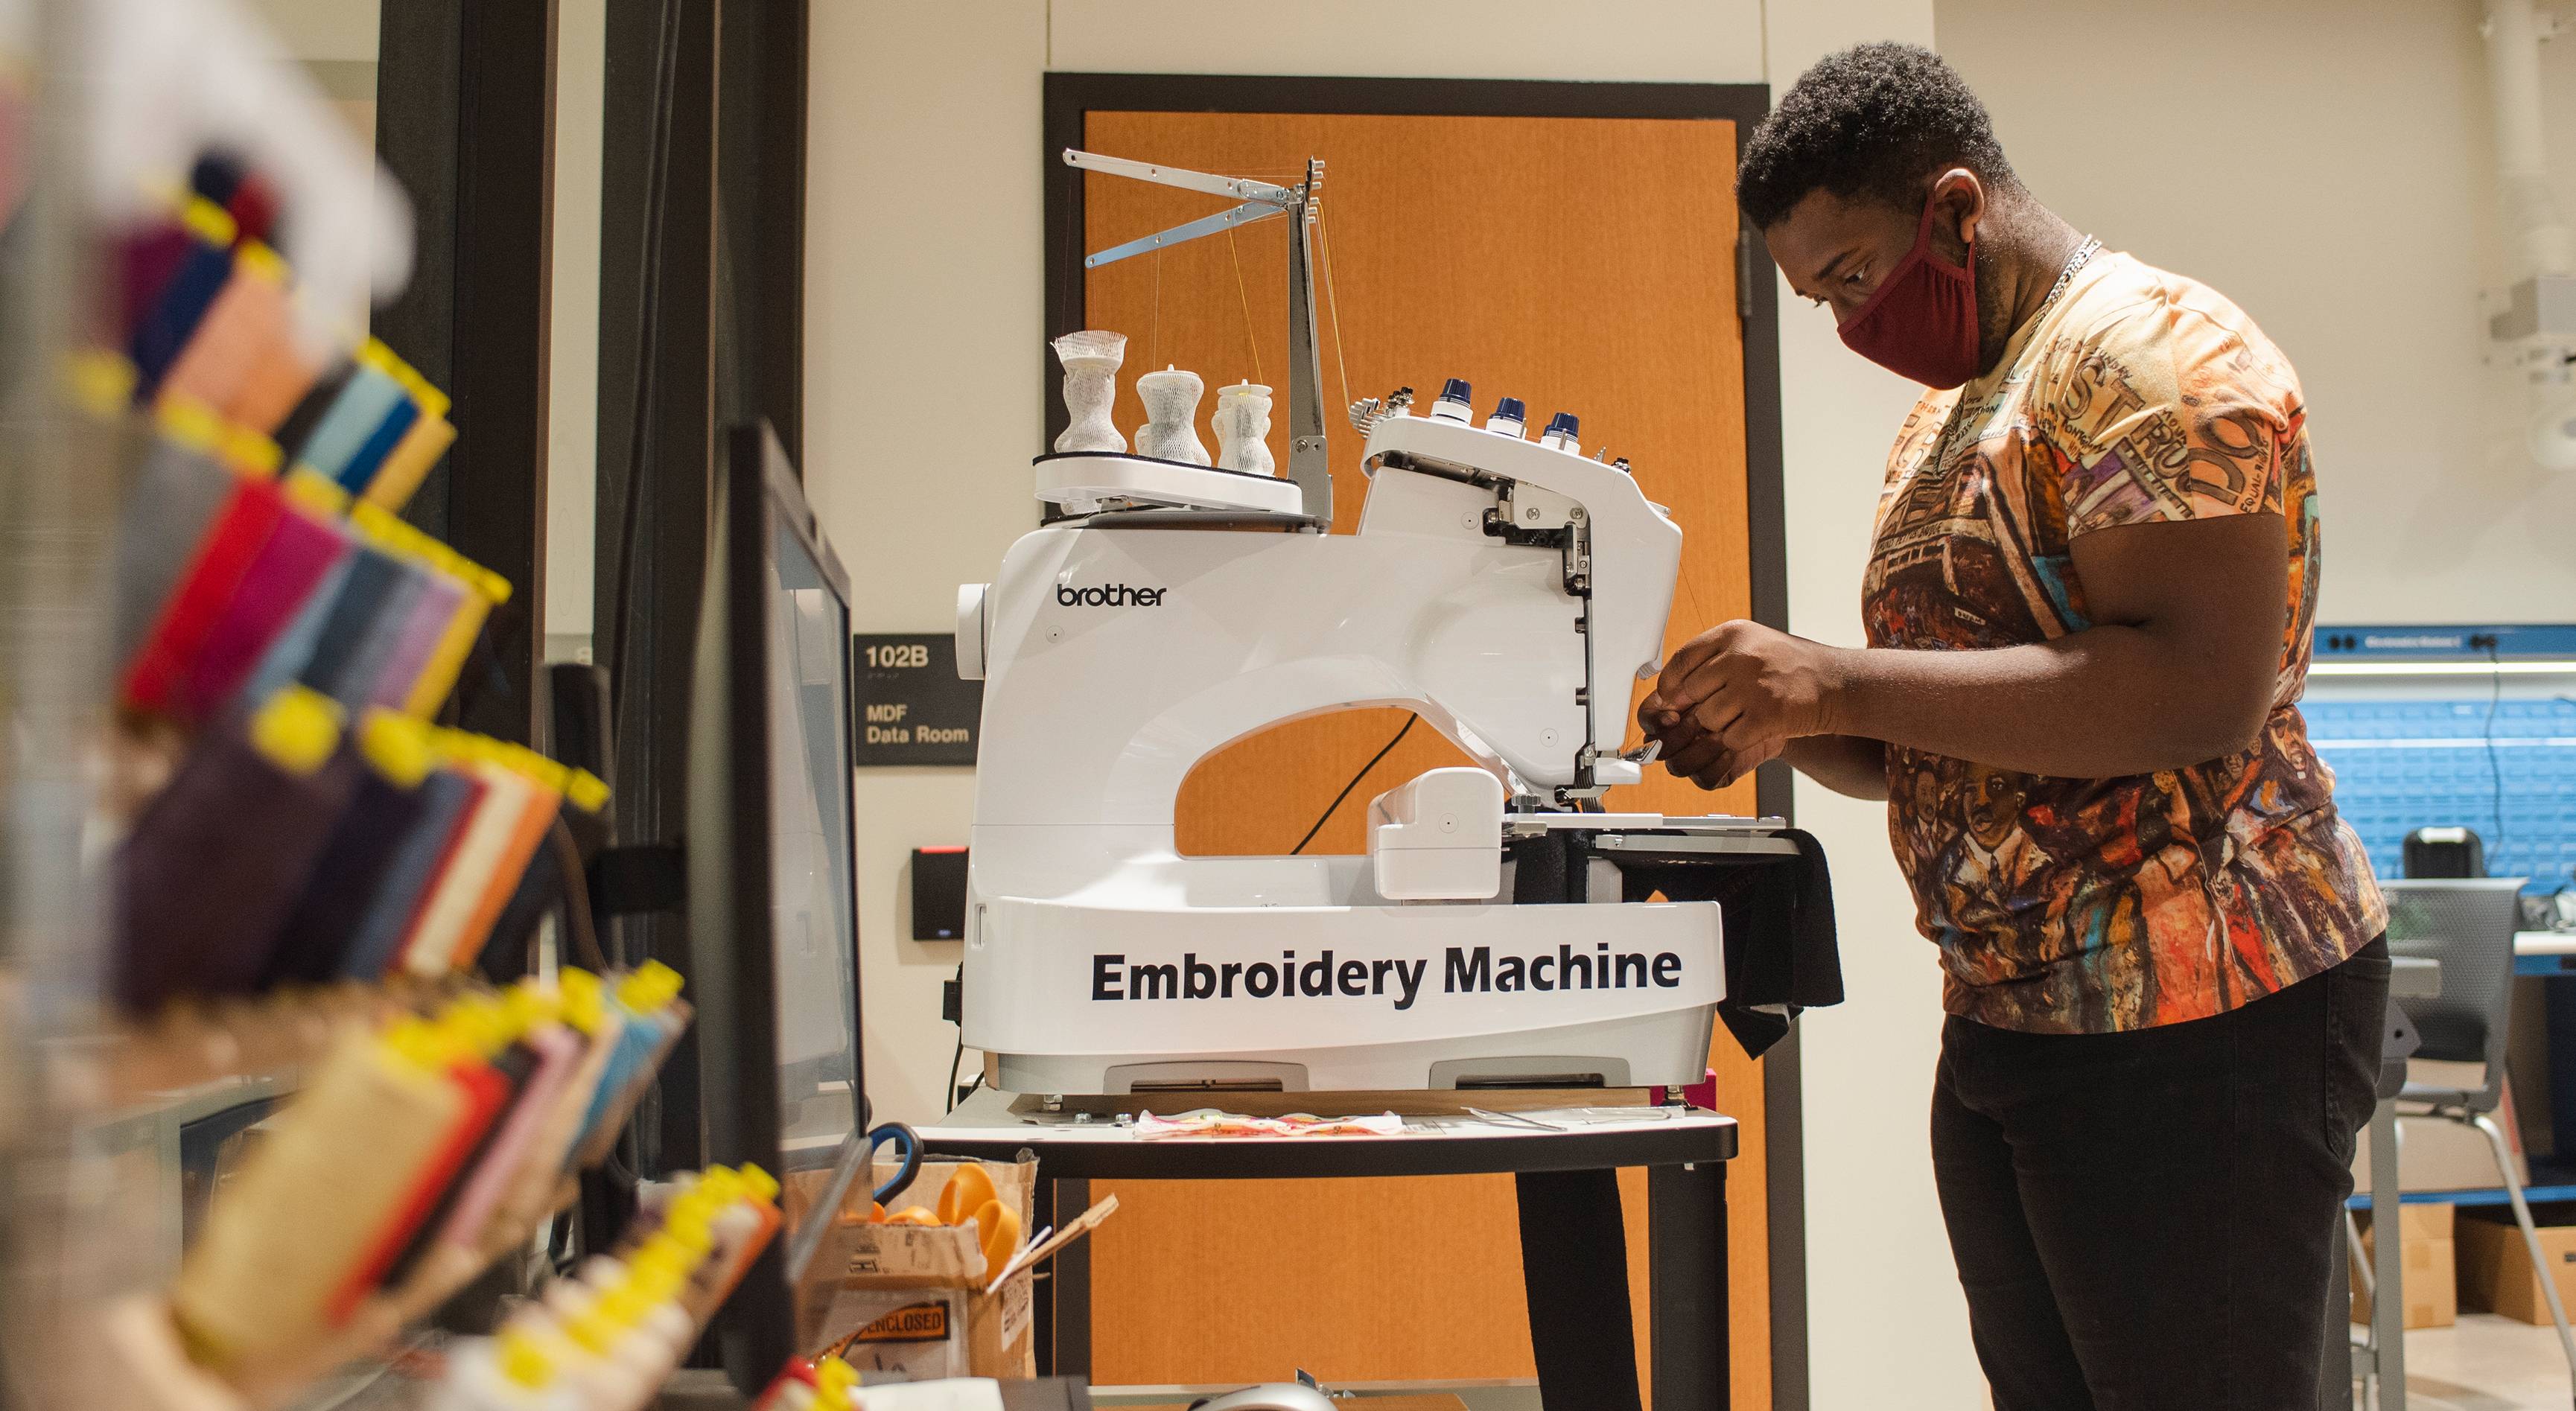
(1243, 429)
(1091, 359)
(1171, 431)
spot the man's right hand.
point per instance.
(1842, 763)
(1659, 717)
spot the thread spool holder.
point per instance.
(1308, 464)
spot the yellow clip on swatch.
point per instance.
(101, 382)
(297, 729)
(648, 987)
(208, 221)
(252, 454)
(187, 421)
(316, 492)
(259, 261)
(400, 747)
(524, 1362)
(584, 999)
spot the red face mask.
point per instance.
(1922, 321)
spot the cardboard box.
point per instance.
(2441, 1155)
(914, 1299)
(2427, 1267)
(2495, 1266)
(2430, 1221)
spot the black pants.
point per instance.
(2146, 1220)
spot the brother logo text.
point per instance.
(1108, 595)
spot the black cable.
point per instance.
(575, 904)
(1346, 788)
(648, 341)
(950, 1096)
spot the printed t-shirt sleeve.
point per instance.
(2161, 412)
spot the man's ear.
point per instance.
(1961, 198)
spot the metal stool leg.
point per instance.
(2342, 1371)
(2387, 1304)
(2530, 1240)
(2347, 1382)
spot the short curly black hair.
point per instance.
(1876, 122)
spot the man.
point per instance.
(2088, 607)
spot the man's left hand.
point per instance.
(1734, 696)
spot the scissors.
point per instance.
(856, 1152)
(909, 1143)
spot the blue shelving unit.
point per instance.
(2505, 768)
(2461, 725)
(2537, 1195)
(2466, 725)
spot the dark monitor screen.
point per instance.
(772, 906)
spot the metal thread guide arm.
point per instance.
(1308, 464)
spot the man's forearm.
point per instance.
(1846, 764)
(2098, 703)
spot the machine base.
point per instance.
(1669, 1049)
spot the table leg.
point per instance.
(2558, 1008)
(1042, 1282)
(1687, 1286)
(1574, 1270)
(2388, 1301)
(1060, 1311)
(2334, 1388)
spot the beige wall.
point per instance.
(2329, 166)
(336, 42)
(572, 394)
(1678, 41)
(922, 292)
(341, 31)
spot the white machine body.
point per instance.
(1438, 837)
(1506, 592)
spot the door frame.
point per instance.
(1068, 96)
(465, 107)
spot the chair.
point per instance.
(2467, 926)
(2445, 852)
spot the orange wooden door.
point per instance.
(1580, 264)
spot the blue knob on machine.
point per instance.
(1562, 431)
(1455, 402)
(1510, 418)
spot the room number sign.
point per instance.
(911, 707)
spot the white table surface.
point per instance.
(2544, 942)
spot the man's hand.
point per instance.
(1734, 696)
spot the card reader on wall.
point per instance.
(938, 894)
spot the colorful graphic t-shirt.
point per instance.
(2099, 905)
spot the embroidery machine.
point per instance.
(1506, 591)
